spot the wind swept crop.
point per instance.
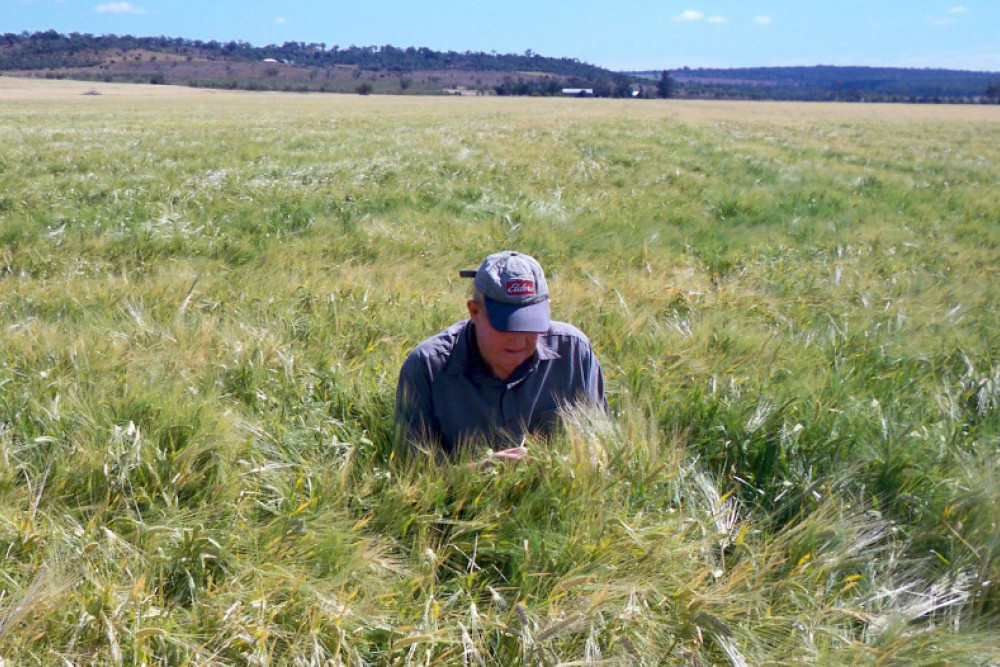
(205, 298)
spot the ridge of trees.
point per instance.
(26, 51)
(83, 55)
(839, 83)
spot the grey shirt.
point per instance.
(447, 394)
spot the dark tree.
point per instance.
(665, 86)
(620, 86)
(993, 92)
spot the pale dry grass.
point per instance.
(695, 112)
(15, 88)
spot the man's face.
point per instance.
(503, 351)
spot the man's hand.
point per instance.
(512, 454)
(518, 453)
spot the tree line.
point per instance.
(50, 49)
(843, 84)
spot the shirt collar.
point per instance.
(545, 351)
(465, 355)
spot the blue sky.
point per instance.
(627, 34)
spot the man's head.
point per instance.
(510, 308)
(515, 294)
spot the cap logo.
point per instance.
(519, 287)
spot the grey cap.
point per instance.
(517, 296)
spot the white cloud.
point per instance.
(689, 15)
(281, 20)
(762, 20)
(953, 16)
(717, 19)
(119, 8)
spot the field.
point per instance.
(259, 76)
(205, 297)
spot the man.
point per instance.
(501, 374)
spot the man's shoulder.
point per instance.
(565, 341)
(441, 344)
(566, 333)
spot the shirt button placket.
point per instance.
(502, 406)
(509, 413)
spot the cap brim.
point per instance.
(533, 318)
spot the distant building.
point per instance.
(578, 92)
(462, 91)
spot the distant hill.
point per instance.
(316, 67)
(296, 66)
(829, 83)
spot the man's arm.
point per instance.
(416, 423)
(589, 387)
(594, 379)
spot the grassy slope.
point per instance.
(204, 300)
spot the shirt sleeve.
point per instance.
(593, 378)
(416, 423)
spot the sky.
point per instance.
(621, 35)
